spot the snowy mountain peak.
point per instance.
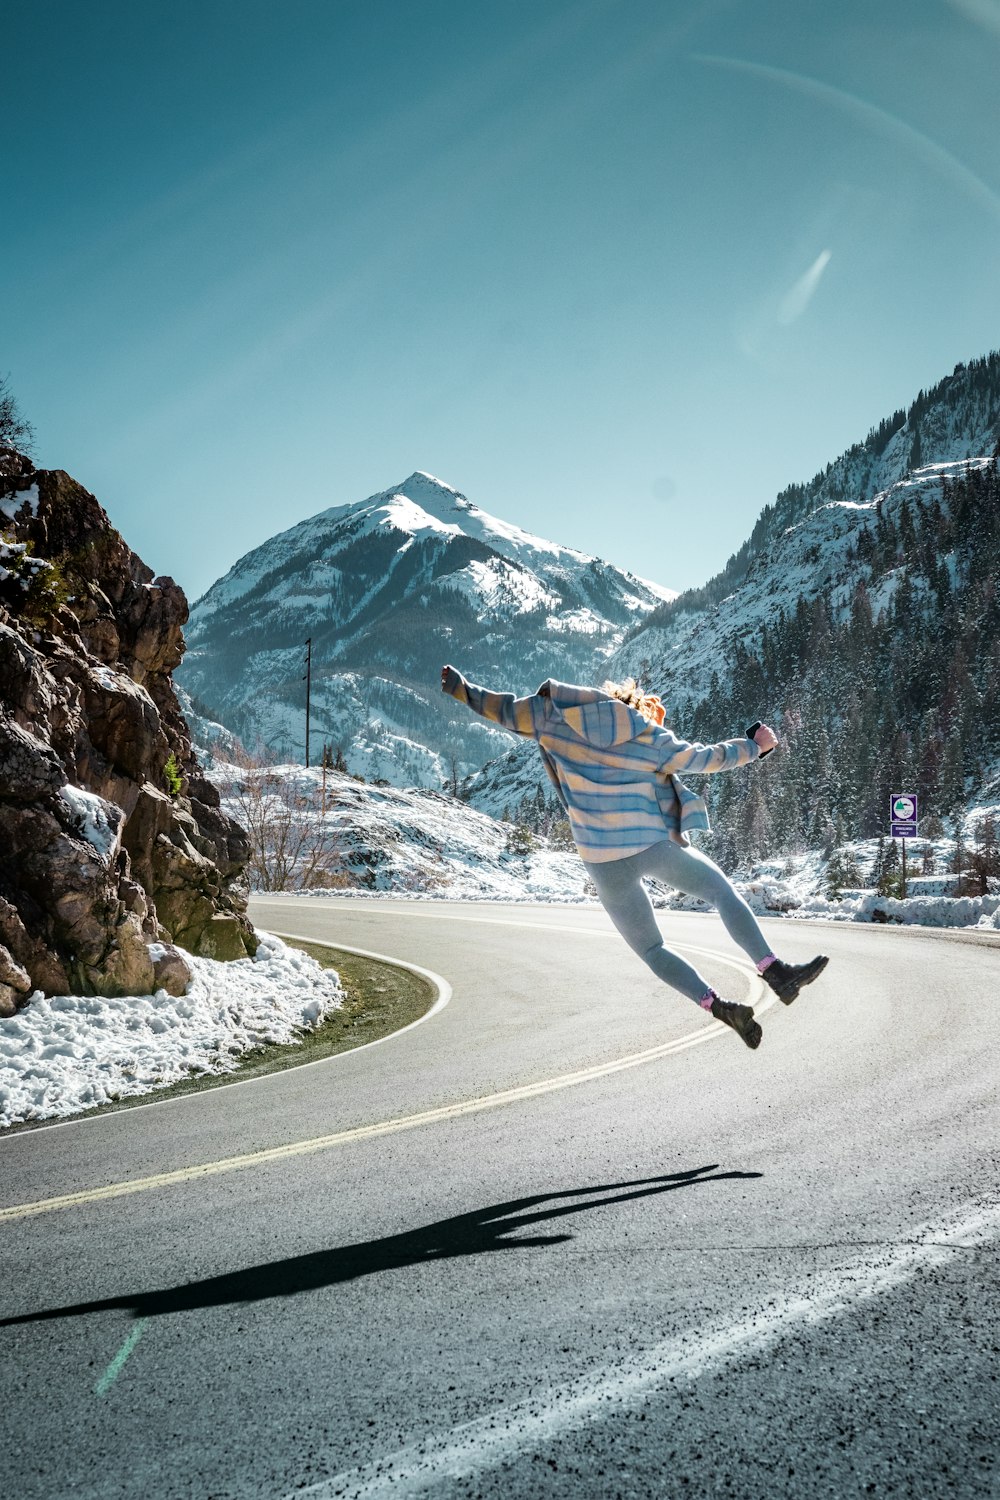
(388, 589)
(406, 514)
(421, 484)
(455, 510)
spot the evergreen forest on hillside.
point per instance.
(903, 698)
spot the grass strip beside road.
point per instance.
(380, 998)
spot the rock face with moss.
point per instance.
(113, 847)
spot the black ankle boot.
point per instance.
(787, 979)
(740, 1018)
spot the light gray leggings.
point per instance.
(623, 896)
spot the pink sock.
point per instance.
(765, 963)
(706, 1000)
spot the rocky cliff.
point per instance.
(113, 846)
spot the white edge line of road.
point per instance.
(502, 1434)
(444, 994)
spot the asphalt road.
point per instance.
(709, 1271)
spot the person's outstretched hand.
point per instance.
(766, 738)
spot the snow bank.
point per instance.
(67, 1053)
(923, 911)
(785, 898)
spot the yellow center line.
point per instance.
(384, 1127)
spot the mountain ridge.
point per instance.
(958, 417)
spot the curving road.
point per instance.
(503, 1254)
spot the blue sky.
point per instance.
(618, 269)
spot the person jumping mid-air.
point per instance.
(615, 768)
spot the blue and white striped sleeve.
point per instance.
(700, 760)
(519, 715)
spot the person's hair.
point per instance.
(628, 692)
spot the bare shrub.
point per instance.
(292, 844)
(15, 430)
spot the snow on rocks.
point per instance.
(67, 1053)
(13, 505)
(99, 822)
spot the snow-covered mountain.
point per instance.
(956, 419)
(692, 658)
(389, 589)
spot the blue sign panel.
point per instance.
(903, 815)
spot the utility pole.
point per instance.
(308, 682)
(326, 764)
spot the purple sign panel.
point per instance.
(903, 815)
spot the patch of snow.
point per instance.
(12, 505)
(655, 588)
(118, 682)
(406, 515)
(576, 621)
(23, 566)
(501, 587)
(68, 1053)
(101, 823)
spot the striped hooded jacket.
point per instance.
(616, 773)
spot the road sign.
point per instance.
(903, 815)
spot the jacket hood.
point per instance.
(596, 717)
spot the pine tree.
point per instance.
(891, 879)
(984, 862)
(951, 787)
(842, 873)
(754, 824)
(959, 858)
(878, 864)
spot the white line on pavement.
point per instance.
(500, 1435)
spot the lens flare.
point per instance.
(873, 117)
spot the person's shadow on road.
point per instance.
(476, 1233)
